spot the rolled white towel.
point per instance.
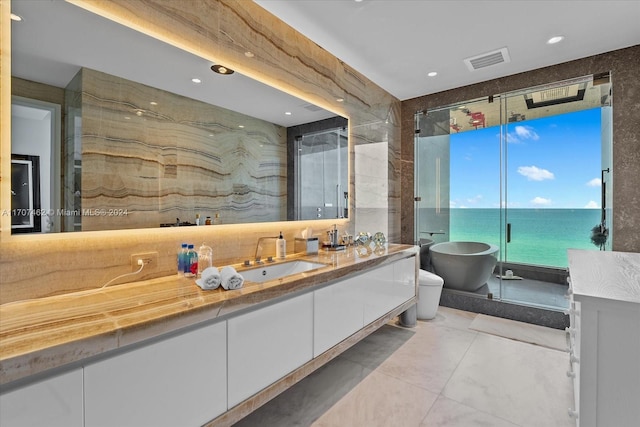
(231, 279)
(210, 279)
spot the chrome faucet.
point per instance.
(258, 255)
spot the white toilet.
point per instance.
(430, 288)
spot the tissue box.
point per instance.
(309, 245)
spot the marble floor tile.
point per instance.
(439, 373)
(307, 400)
(450, 317)
(380, 401)
(520, 331)
(379, 346)
(449, 413)
(429, 358)
(519, 382)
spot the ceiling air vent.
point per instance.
(488, 59)
(311, 107)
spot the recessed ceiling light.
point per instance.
(16, 18)
(196, 80)
(432, 74)
(555, 39)
(249, 54)
(153, 103)
(340, 99)
(241, 126)
(288, 113)
(221, 69)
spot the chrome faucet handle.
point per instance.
(258, 261)
(247, 262)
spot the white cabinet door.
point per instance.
(404, 286)
(56, 401)
(179, 381)
(387, 287)
(338, 312)
(268, 343)
(375, 285)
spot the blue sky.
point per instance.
(553, 162)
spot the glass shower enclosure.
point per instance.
(528, 171)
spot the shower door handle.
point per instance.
(508, 232)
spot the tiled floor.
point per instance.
(440, 373)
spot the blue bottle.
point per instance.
(190, 260)
(182, 255)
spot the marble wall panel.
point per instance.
(221, 31)
(623, 65)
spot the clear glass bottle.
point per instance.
(205, 258)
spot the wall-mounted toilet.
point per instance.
(429, 291)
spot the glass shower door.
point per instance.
(556, 144)
(457, 177)
(322, 174)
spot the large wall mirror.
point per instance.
(129, 132)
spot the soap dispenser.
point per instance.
(281, 247)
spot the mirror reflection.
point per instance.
(129, 132)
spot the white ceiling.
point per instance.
(395, 43)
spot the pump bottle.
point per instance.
(281, 247)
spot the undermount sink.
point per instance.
(277, 271)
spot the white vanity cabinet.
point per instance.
(347, 306)
(179, 381)
(54, 402)
(387, 287)
(192, 376)
(338, 312)
(268, 343)
(605, 338)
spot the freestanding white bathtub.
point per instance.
(464, 265)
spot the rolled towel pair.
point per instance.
(211, 279)
(231, 279)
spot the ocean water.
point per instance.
(538, 236)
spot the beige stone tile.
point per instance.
(310, 398)
(429, 358)
(380, 400)
(450, 317)
(519, 382)
(449, 413)
(520, 331)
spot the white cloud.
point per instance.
(541, 201)
(595, 182)
(591, 205)
(527, 132)
(534, 173)
(522, 133)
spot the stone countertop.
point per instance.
(46, 333)
(605, 275)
